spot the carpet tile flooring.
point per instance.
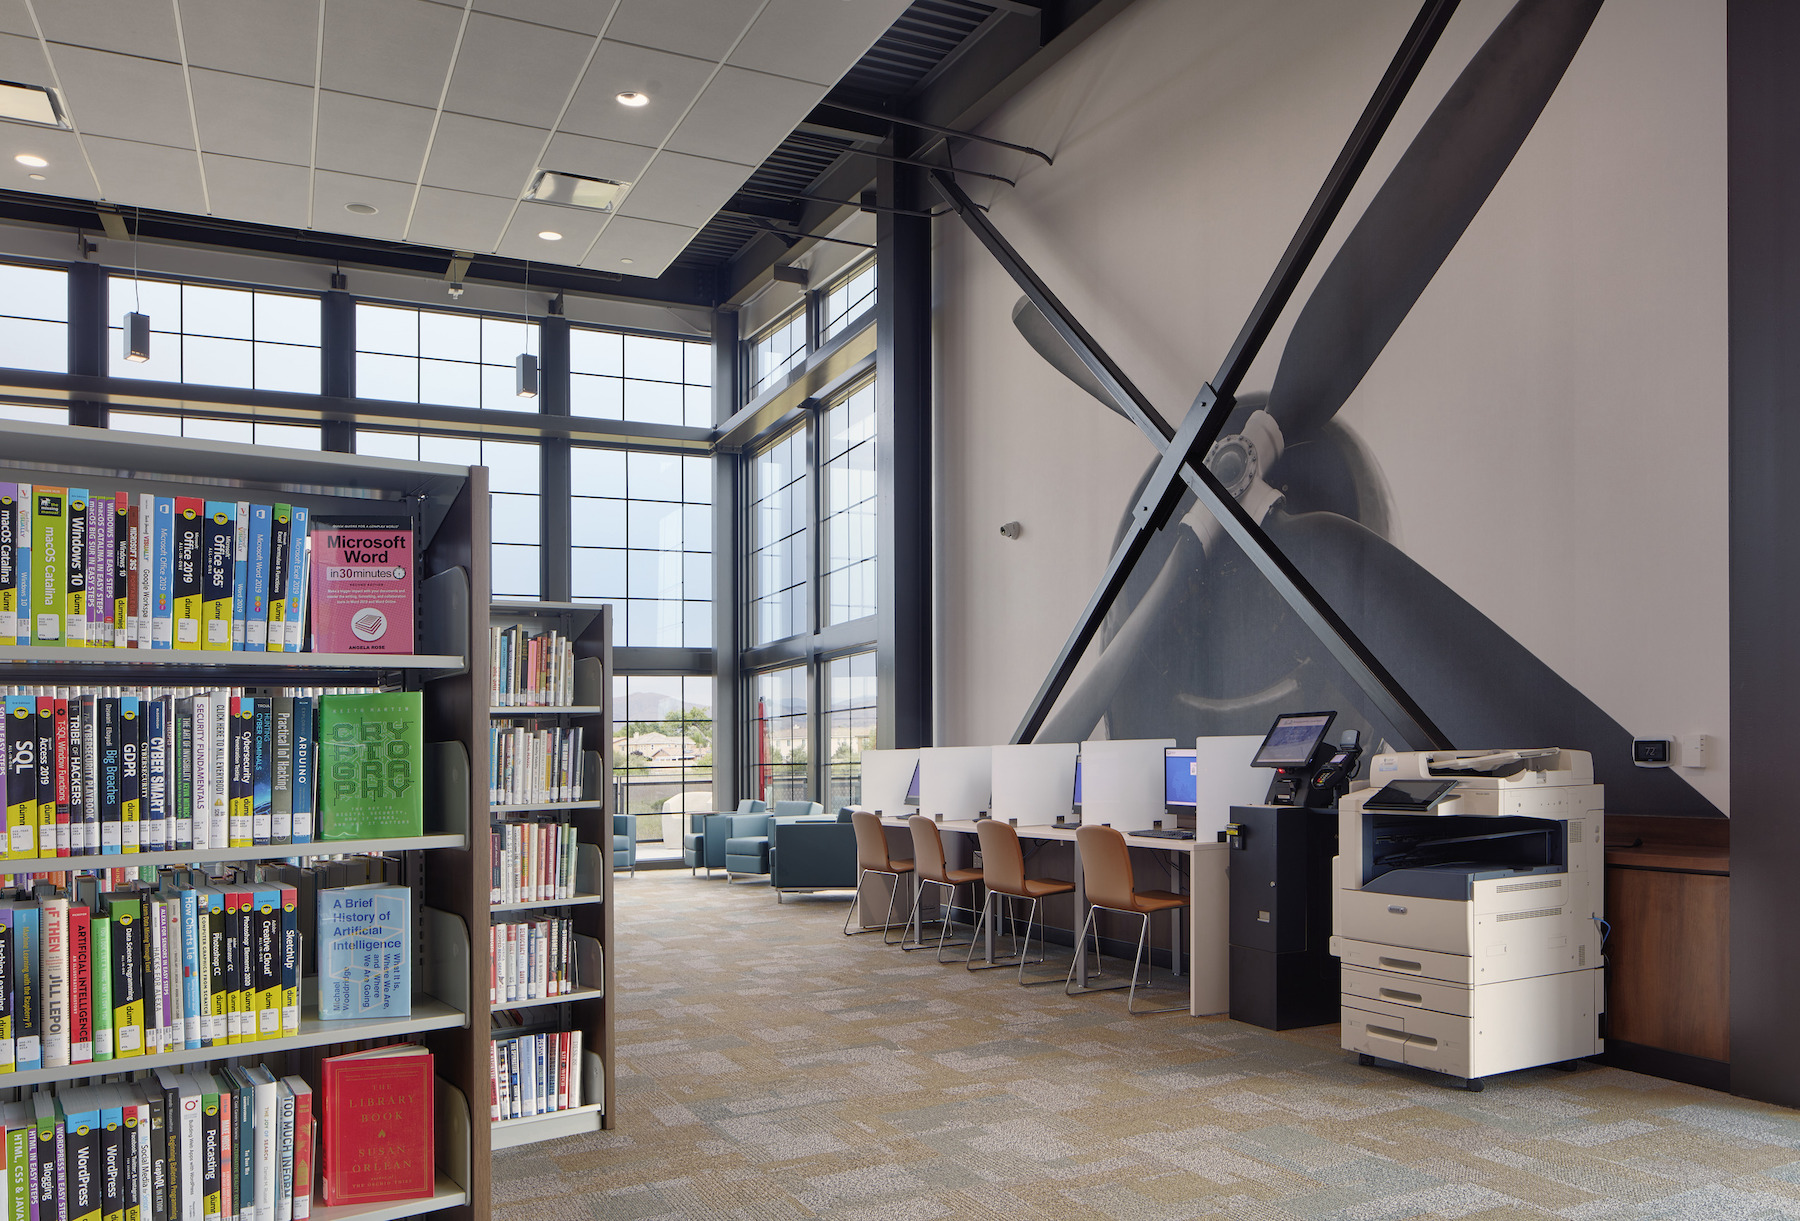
(770, 1068)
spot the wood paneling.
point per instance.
(1669, 962)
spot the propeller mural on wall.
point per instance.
(1197, 640)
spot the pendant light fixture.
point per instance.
(527, 365)
(136, 328)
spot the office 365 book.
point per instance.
(362, 584)
(377, 1127)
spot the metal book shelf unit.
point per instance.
(449, 508)
(589, 1008)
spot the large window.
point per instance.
(777, 350)
(614, 376)
(662, 754)
(845, 301)
(780, 516)
(34, 318)
(215, 336)
(250, 432)
(779, 735)
(849, 726)
(847, 475)
(513, 486)
(430, 356)
(641, 525)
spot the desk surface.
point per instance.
(1066, 834)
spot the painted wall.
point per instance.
(1550, 418)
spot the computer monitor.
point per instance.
(1293, 739)
(912, 789)
(1180, 784)
(1075, 805)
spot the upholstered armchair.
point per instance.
(703, 846)
(812, 854)
(747, 848)
(624, 844)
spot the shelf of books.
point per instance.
(549, 711)
(240, 737)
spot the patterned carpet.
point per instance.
(770, 1068)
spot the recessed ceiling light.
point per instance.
(361, 209)
(634, 98)
(35, 177)
(555, 186)
(551, 235)
(627, 260)
(30, 104)
(32, 159)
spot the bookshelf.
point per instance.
(589, 1008)
(449, 508)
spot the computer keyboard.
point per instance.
(1161, 834)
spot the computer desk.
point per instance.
(1208, 910)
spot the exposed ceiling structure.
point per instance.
(427, 122)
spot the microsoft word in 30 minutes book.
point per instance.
(362, 584)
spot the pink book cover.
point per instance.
(362, 584)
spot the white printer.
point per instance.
(1466, 910)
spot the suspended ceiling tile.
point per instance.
(576, 225)
(515, 72)
(458, 220)
(701, 28)
(246, 116)
(815, 40)
(259, 191)
(134, 27)
(608, 159)
(370, 137)
(398, 50)
(743, 115)
(650, 245)
(581, 16)
(22, 60)
(146, 175)
(332, 191)
(276, 39)
(67, 173)
(125, 97)
(682, 190)
(483, 156)
(670, 81)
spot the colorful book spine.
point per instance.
(219, 543)
(100, 934)
(125, 561)
(304, 1143)
(9, 563)
(299, 575)
(144, 567)
(7, 1040)
(192, 1035)
(190, 562)
(240, 573)
(243, 774)
(262, 770)
(21, 777)
(131, 775)
(81, 985)
(290, 959)
(28, 1043)
(305, 770)
(162, 574)
(75, 570)
(257, 614)
(127, 975)
(27, 499)
(266, 928)
(187, 785)
(281, 543)
(155, 835)
(49, 537)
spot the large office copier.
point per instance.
(1467, 908)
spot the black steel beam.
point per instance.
(554, 503)
(1182, 452)
(87, 337)
(337, 365)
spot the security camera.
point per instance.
(1012, 529)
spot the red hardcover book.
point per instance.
(378, 1110)
(81, 987)
(63, 796)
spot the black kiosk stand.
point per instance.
(1281, 969)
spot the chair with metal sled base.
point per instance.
(1003, 869)
(930, 869)
(872, 857)
(1106, 873)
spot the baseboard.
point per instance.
(1670, 1065)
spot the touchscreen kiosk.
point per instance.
(1290, 747)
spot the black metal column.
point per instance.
(728, 589)
(87, 336)
(337, 365)
(1763, 254)
(556, 554)
(903, 655)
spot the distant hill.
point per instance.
(654, 706)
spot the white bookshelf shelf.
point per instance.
(150, 660)
(545, 710)
(192, 856)
(428, 1013)
(547, 805)
(580, 994)
(510, 1133)
(445, 1194)
(534, 904)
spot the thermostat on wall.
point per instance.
(1652, 752)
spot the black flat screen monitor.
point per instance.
(1293, 739)
(1075, 805)
(912, 790)
(1180, 790)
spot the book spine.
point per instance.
(280, 543)
(110, 774)
(131, 774)
(240, 577)
(242, 717)
(267, 931)
(49, 538)
(281, 784)
(187, 777)
(75, 570)
(156, 1173)
(155, 834)
(7, 1046)
(81, 981)
(28, 1044)
(112, 1162)
(189, 586)
(290, 960)
(256, 611)
(303, 1148)
(305, 769)
(18, 1172)
(9, 563)
(46, 786)
(127, 977)
(124, 552)
(299, 576)
(192, 1034)
(218, 830)
(284, 1162)
(21, 777)
(218, 541)
(65, 775)
(218, 960)
(100, 933)
(161, 555)
(262, 765)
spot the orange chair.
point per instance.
(872, 857)
(1003, 869)
(1106, 875)
(930, 869)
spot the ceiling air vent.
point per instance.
(30, 104)
(597, 194)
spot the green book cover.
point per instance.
(371, 765)
(101, 955)
(49, 537)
